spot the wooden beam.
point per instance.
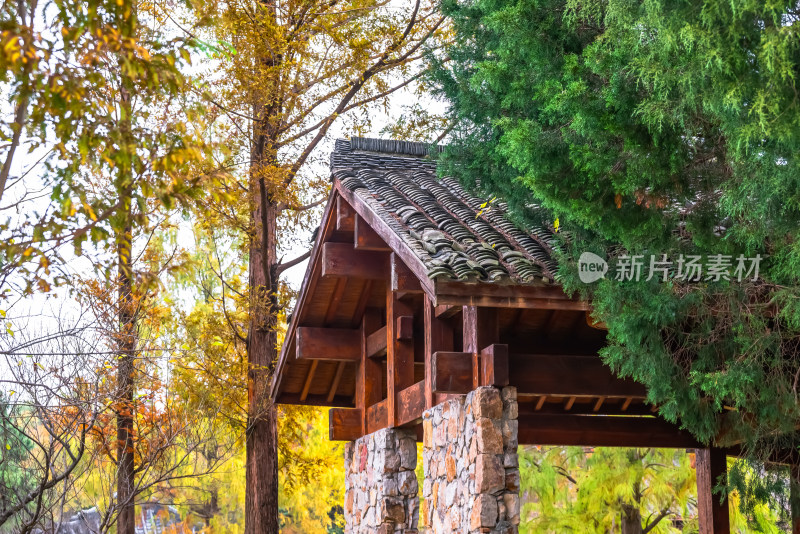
(399, 354)
(328, 344)
(494, 365)
(570, 402)
(541, 402)
(376, 343)
(339, 401)
(369, 377)
(336, 379)
(713, 515)
(341, 259)
(601, 431)
(568, 375)
(452, 372)
(402, 279)
(438, 337)
(344, 424)
(410, 404)
(447, 311)
(309, 380)
(466, 299)
(505, 296)
(377, 416)
(404, 328)
(365, 237)
(345, 216)
(480, 330)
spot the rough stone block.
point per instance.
(511, 502)
(450, 467)
(427, 432)
(489, 474)
(510, 433)
(486, 402)
(393, 510)
(512, 480)
(407, 483)
(484, 512)
(509, 393)
(489, 438)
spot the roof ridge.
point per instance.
(393, 146)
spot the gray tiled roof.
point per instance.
(437, 218)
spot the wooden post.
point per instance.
(794, 496)
(399, 354)
(480, 330)
(438, 337)
(368, 378)
(713, 515)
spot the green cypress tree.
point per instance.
(654, 127)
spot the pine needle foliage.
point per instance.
(654, 127)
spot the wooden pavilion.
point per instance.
(415, 294)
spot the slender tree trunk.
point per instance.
(126, 519)
(126, 522)
(261, 501)
(631, 519)
(261, 495)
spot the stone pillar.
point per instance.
(471, 465)
(381, 492)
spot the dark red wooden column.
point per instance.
(480, 331)
(438, 337)
(399, 352)
(713, 515)
(369, 375)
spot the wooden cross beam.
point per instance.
(532, 374)
(341, 259)
(328, 344)
(569, 375)
(601, 431)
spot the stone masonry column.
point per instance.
(381, 492)
(471, 465)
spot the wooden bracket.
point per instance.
(344, 424)
(494, 365)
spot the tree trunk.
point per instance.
(127, 334)
(261, 501)
(126, 522)
(631, 519)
